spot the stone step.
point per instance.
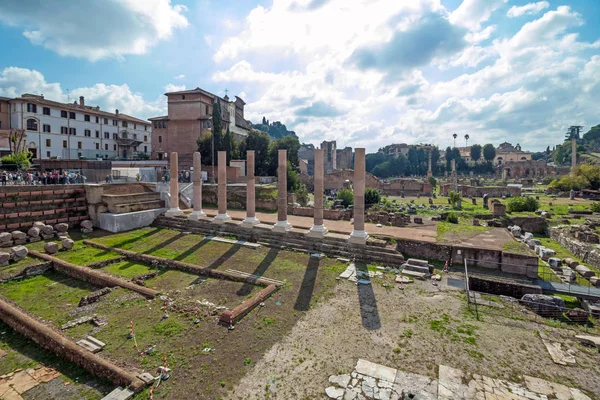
(119, 394)
(137, 206)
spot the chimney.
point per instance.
(81, 101)
(117, 111)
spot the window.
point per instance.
(105, 121)
(206, 124)
(97, 155)
(183, 97)
(63, 114)
(32, 125)
(46, 128)
(114, 147)
(48, 143)
(134, 148)
(145, 127)
(63, 130)
(115, 136)
(97, 134)
(145, 138)
(87, 133)
(97, 146)
(97, 120)
(115, 122)
(160, 139)
(79, 145)
(79, 155)
(64, 144)
(0, 124)
(48, 154)
(86, 118)
(145, 149)
(124, 124)
(135, 136)
(206, 109)
(32, 108)
(134, 126)
(72, 131)
(72, 115)
(106, 135)
(46, 110)
(105, 146)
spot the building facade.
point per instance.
(189, 118)
(507, 152)
(330, 155)
(307, 153)
(55, 130)
(344, 158)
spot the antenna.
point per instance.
(226, 91)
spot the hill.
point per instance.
(276, 130)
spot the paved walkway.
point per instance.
(425, 233)
(586, 292)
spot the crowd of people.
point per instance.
(55, 177)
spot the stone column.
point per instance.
(282, 224)
(197, 213)
(454, 176)
(222, 189)
(251, 219)
(429, 172)
(174, 187)
(573, 154)
(318, 229)
(359, 235)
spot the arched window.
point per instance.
(32, 124)
(183, 97)
(523, 158)
(499, 160)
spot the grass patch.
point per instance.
(516, 248)
(447, 231)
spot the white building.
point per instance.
(76, 131)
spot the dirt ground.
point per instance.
(413, 330)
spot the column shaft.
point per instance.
(359, 235)
(318, 228)
(222, 189)
(250, 192)
(282, 222)
(197, 212)
(174, 186)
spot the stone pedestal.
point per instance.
(359, 235)
(282, 224)
(318, 229)
(174, 187)
(197, 213)
(250, 219)
(222, 215)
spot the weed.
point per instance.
(247, 361)
(407, 333)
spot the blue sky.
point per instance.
(365, 73)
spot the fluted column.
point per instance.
(174, 187)
(318, 229)
(251, 219)
(359, 235)
(222, 189)
(197, 213)
(282, 224)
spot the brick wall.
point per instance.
(501, 287)
(21, 206)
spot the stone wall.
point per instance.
(411, 187)
(21, 206)
(266, 197)
(479, 191)
(327, 213)
(430, 251)
(502, 287)
(529, 224)
(587, 252)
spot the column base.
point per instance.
(282, 226)
(249, 222)
(358, 237)
(173, 212)
(196, 215)
(317, 231)
(221, 218)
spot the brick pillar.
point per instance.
(174, 187)
(197, 213)
(429, 172)
(282, 224)
(222, 189)
(573, 154)
(251, 219)
(359, 235)
(318, 229)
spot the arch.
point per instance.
(523, 158)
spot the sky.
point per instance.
(366, 73)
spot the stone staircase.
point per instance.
(333, 245)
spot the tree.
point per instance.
(476, 152)
(435, 157)
(346, 196)
(467, 140)
(548, 150)
(372, 196)
(433, 182)
(229, 145)
(259, 142)
(573, 132)
(20, 159)
(489, 152)
(374, 159)
(289, 143)
(590, 174)
(204, 147)
(302, 194)
(293, 178)
(16, 139)
(454, 198)
(217, 129)
(264, 121)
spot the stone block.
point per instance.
(584, 271)
(4, 258)
(554, 262)
(19, 252)
(67, 244)
(128, 221)
(51, 248)
(18, 235)
(34, 232)
(5, 237)
(47, 230)
(87, 224)
(61, 227)
(20, 242)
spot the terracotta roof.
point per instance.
(82, 109)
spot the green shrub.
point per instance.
(596, 206)
(452, 218)
(346, 196)
(372, 196)
(302, 194)
(454, 198)
(519, 204)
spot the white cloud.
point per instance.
(472, 13)
(179, 77)
(174, 88)
(527, 9)
(16, 81)
(101, 29)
